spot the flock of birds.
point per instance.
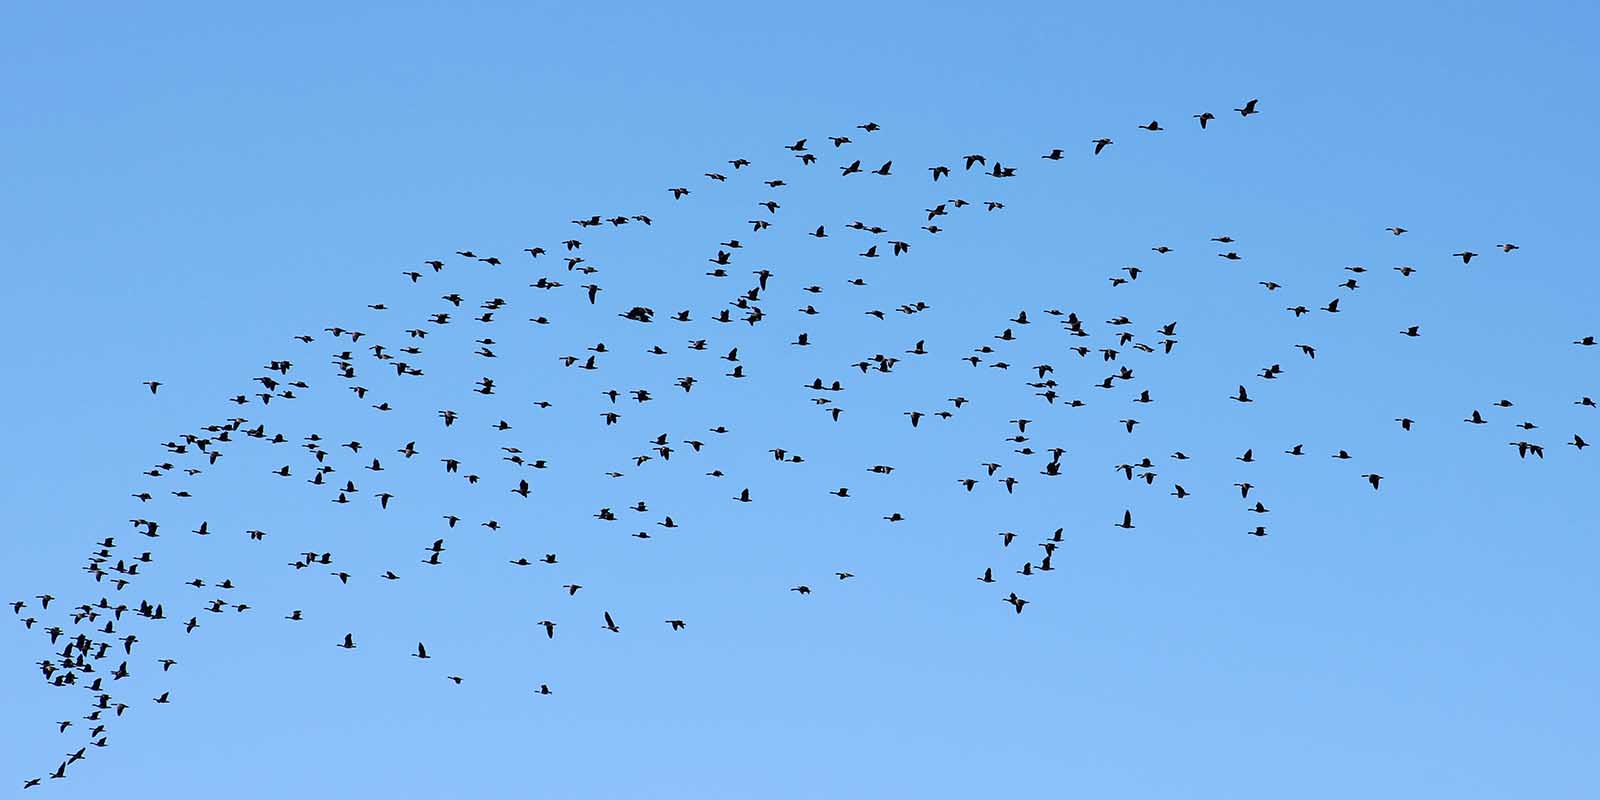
(95, 644)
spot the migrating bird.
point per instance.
(739, 306)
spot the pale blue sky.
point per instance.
(188, 187)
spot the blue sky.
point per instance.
(189, 187)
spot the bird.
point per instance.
(747, 306)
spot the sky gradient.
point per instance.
(189, 187)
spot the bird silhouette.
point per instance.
(629, 381)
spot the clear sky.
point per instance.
(188, 187)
